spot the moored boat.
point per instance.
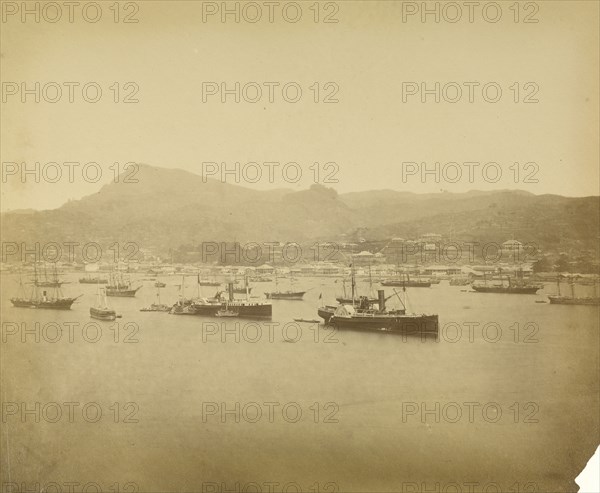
(371, 317)
(120, 287)
(101, 311)
(559, 299)
(517, 286)
(46, 299)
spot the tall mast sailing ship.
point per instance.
(558, 299)
(284, 295)
(51, 298)
(354, 291)
(120, 287)
(52, 282)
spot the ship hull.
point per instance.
(285, 296)
(100, 314)
(348, 301)
(121, 293)
(243, 309)
(62, 304)
(507, 290)
(404, 324)
(326, 312)
(408, 284)
(561, 300)
(250, 310)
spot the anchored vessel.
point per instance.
(345, 299)
(101, 311)
(210, 307)
(518, 286)
(49, 282)
(120, 287)
(407, 282)
(42, 298)
(284, 295)
(158, 306)
(367, 316)
(574, 300)
(92, 280)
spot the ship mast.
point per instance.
(246, 286)
(353, 280)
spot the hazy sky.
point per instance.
(369, 133)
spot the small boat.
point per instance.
(157, 307)
(101, 311)
(223, 312)
(159, 284)
(92, 280)
(306, 321)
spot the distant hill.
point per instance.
(172, 207)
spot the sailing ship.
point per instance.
(158, 306)
(53, 299)
(558, 299)
(120, 287)
(284, 295)
(101, 311)
(518, 286)
(52, 282)
(345, 299)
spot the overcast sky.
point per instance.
(369, 133)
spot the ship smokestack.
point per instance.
(381, 294)
(230, 287)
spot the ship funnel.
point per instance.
(230, 288)
(381, 294)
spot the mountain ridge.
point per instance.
(169, 207)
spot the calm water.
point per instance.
(370, 391)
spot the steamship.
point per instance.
(42, 298)
(518, 286)
(370, 316)
(214, 307)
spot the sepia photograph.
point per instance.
(346, 246)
